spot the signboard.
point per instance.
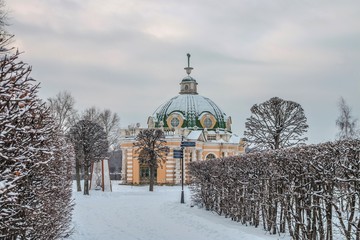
(187, 144)
(178, 153)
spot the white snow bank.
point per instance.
(132, 212)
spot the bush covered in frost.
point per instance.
(310, 192)
(35, 160)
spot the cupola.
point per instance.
(188, 85)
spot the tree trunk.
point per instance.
(357, 235)
(289, 219)
(282, 217)
(77, 173)
(277, 140)
(328, 210)
(274, 206)
(86, 179)
(152, 178)
(297, 218)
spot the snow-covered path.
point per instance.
(132, 212)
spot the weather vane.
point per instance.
(188, 68)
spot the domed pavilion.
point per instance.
(187, 116)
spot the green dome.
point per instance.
(191, 111)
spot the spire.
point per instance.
(188, 85)
(188, 68)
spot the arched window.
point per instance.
(210, 156)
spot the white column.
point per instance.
(199, 155)
(193, 157)
(123, 165)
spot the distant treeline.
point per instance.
(308, 192)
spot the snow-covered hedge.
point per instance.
(35, 160)
(310, 192)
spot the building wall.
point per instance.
(170, 171)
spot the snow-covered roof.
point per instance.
(191, 106)
(218, 141)
(194, 135)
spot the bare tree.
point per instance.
(111, 124)
(5, 37)
(346, 123)
(2, 14)
(91, 114)
(90, 145)
(152, 150)
(275, 124)
(108, 120)
(62, 108)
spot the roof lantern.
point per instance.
(188, 85)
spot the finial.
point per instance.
(188, 68)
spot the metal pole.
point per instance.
(182, 173)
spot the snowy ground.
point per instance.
(132, 212)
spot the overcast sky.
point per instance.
(129, 56)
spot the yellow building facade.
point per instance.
(185, 117)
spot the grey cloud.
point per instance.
(130, 58)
